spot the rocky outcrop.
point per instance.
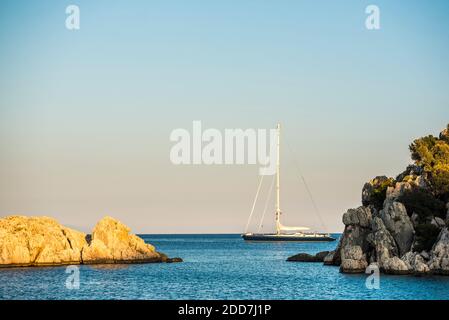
(438, 222)
(385, 251)
(374, 190)
(395, 265)
(333, 258)
(112, 243)
(354, 245)
(398, 190)
(416, 262)
(439, 261)
(353, 259)
(357, 217)
(395, 218)
(42, 241)
(402, 225)
(305, 257)
(411, 171)
(26, 241)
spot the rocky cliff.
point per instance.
(402, 225)
(42, 241)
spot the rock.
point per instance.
(395, 218)
(421, 266)
(425, 255)
(305, 257)
(321, 255)
(334, 257)
(393, 193)
(31, 241)
(439, 257)
(395, 265)
(373, 191)
(444, 135)
(112, 243)
(383, 243)
(173, 260)
(416, 263)
(357, 227)
(438, 222)
(358, 222)
(302, 257)
(330, 259)
(358, 217)
(353, 260)
(42, 241)
(422, 182)
(166, 259)
(414, 219)
(409, 259)
(412, 170)
(382, 232)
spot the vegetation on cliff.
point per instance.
(378, 191)
(402, 226)
(432, 155)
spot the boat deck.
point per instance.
(287, 237)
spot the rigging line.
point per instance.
(254, 203)
(306, 186)
(266, 203)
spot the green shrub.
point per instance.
(432, 154)
(379, 192)
(425, 237)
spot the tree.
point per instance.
(432, 154)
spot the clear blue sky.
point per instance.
(85, 115)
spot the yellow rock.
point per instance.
(40, 241)
(112, 242)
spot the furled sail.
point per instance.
(285, 228)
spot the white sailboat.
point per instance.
(284, 233)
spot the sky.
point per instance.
(86, 115)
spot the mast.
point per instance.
(278, 207)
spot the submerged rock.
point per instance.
(305, 257)
(173, 260)
(42, 241)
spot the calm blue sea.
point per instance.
(217, 267)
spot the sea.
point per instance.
(216, 266)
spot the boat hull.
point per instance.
(276, 237)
